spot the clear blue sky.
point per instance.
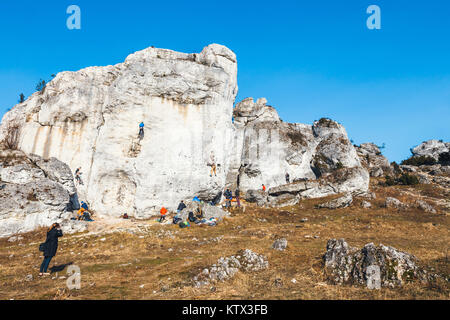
(310, 59)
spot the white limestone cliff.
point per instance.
(90, 119)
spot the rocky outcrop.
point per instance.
(372, 159)
(371, 266)
(35, 193)
(431, 148)
(267, 148)
(90, 119)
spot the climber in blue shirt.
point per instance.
(141, 130)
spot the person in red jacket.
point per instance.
(264, 188)
(163, 212)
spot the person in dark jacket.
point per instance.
(237, 194)
(181, 206)
(288, 178)
(51, 246)
(228, 197)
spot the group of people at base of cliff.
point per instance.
(83, 213)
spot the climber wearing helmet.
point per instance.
(141, 130)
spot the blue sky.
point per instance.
(310, 59)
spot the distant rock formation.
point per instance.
(431, 148)
(372, 159)
(35, 193)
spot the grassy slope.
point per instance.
(111, 272)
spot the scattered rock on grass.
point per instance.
(394, 203)
(280, 244)
(226, 267)
(342, 202)
(425, 206)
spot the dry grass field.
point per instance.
(151, 265)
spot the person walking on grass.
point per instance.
(50, 247)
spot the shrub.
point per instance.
(396, 167)
(408, 180)
(21, 98)
(11, 140)
(419, 161)
(41, 85)
(390, 181)
(444, 158)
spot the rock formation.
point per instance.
(371, 266)
(90, 119)
(226, 267)
(431, 148)
(35, 193)
(372, 159)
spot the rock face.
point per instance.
(268, 148)
(90, 119)
(431, 148)
(372, 159)
(370, 266)
(35, 193)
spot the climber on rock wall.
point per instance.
(78, 174)
(212, 162)
(141, 130)
(287, 178)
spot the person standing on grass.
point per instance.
(163, 212)
(237, 194)
(51, 246)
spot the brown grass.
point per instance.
(111, 272)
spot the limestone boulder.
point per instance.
(372, 266)
(31, 197)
